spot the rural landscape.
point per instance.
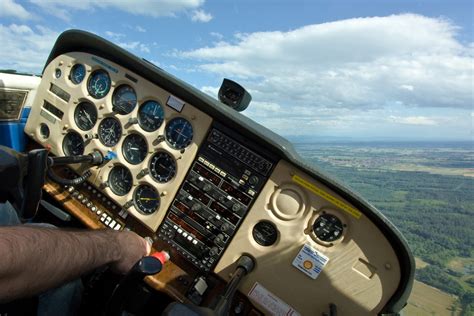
(427, 190)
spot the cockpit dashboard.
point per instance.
(208, 184)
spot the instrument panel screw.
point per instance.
(388, 266)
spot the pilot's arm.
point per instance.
(34, 259)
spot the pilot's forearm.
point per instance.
(35, 259)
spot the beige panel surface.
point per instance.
(145, 91)
(362, 272)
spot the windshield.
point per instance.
(378, 95)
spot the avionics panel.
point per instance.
(217, 193)
(148, 136)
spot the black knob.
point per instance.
(214, 251)
(253, 180)
(219, 238)
(236, 207)
(207, 187)
(224, 227)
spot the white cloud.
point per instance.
(10, 8)
(201, 16)
(140, 29)
(351, 63)
(114, 36)
(25, 48)
(153, 8)
(413, 120)
(134, 46)
(357, 65)
(217, 35)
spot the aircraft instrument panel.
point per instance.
(208, 185)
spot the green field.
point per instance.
(427, 191)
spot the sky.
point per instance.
(361, 70)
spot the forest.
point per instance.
(435, 212)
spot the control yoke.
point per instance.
(23, 176)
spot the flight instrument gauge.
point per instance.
(73, 144)
(120, 180)
(328, 227)
(150, 116)
(124, 99)
(85, 115)
(110, 131)
(179, 133)
(78, 73)
(265, 233)
(134, 148)
(99, 84)
(162, 167)
(147, 199)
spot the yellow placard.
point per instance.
(328, 197)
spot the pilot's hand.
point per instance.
(130, 249)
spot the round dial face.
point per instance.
(78, 73)
(99, 84)
(179, 133)
(265, 233)
(73, 144)
(134, 148)
(146, 199)
(120, 180)
(110, 131)
(85, 115)
(150, 116)
(328, 227)
(124, 99)
(44, 130)
(162, 167)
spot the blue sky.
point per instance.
(355, 69)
